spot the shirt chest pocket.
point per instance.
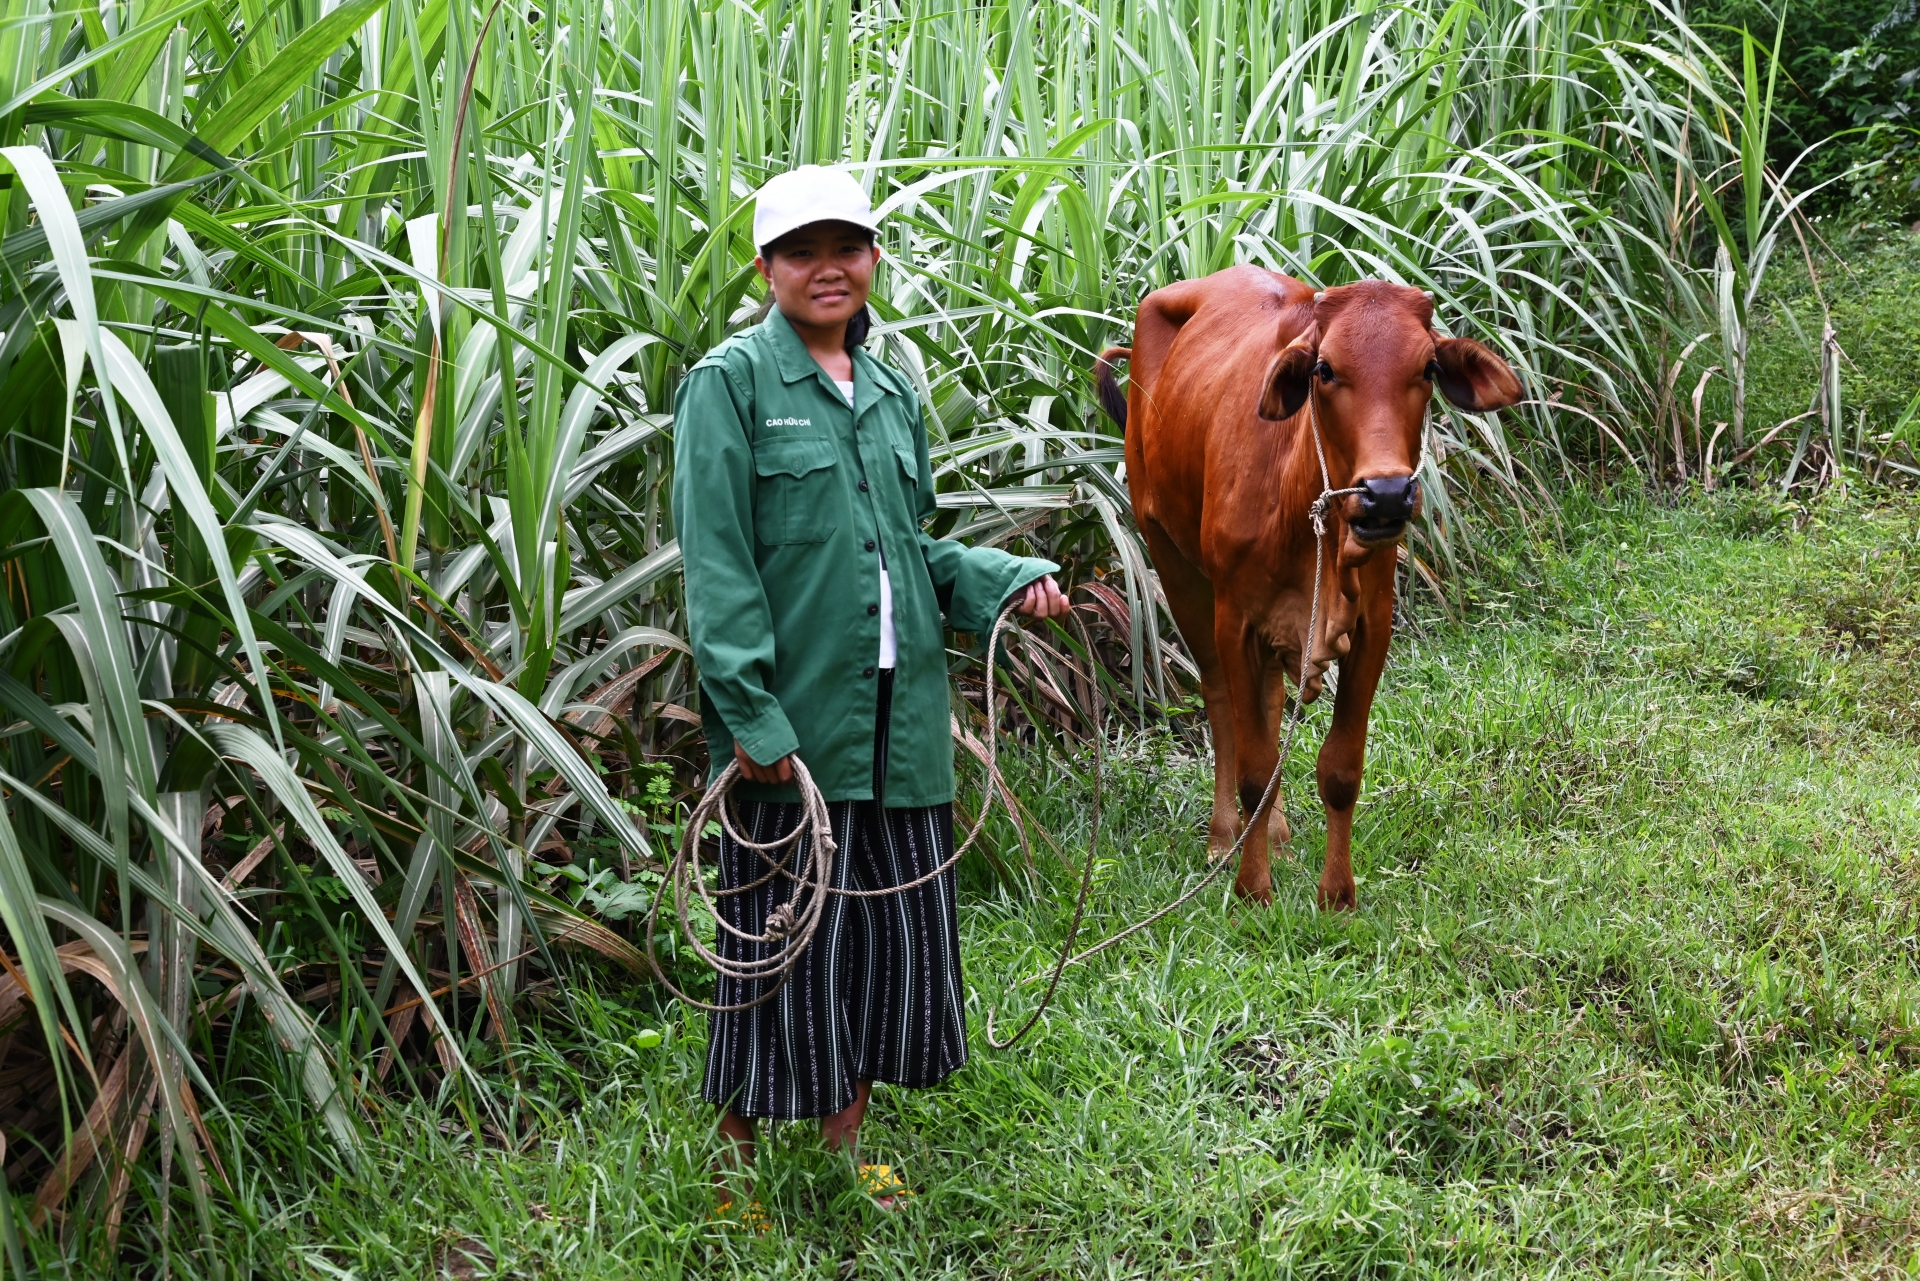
(795, 500)
(909, 465)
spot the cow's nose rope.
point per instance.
(1318, 512)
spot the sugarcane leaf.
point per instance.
(183, 481)
(267, 90)
(33, 946)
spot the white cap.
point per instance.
(809, 194)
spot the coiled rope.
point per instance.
(790, 929)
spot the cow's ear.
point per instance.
(1285, 389)
(1473, 377)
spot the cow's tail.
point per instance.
(1108, 390)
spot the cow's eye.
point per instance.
(1323, 371)
(1433, 371)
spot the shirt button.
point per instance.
(868, 673)
(863, 486)
(873, 609)
(869, 544)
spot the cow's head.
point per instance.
(1371, 360)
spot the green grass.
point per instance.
(1632, 988)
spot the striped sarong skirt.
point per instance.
(876, 996)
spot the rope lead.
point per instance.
(793, 928)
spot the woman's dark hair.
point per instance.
(861, 322)
(858, 326)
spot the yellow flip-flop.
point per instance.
(879, 1181)
(754, 1218)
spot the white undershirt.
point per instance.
(888, 646)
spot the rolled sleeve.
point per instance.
(729, 621)
(975, 583)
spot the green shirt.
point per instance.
(782, 495)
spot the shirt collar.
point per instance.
(797, 363)
(871, 374)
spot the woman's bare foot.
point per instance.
(735, 1159)
(841, 1131)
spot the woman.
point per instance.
(814, 601)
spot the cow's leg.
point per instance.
(1254, 751)
(1190, 600)
(1274, 674)
(1343, 755)
(1223, 826)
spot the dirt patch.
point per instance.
(1269, 1072)
(463, 1259)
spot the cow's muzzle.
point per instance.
(1383, 506)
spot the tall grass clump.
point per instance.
(342, 656)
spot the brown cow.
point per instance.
(1221, 465)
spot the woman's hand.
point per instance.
(1042, 599)
(781, 771)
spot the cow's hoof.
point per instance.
(1338, 898)
(1261, 893)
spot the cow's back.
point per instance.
(1198, 453)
